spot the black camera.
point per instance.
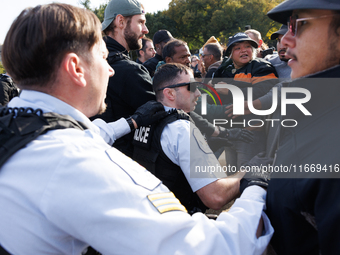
(267, 52)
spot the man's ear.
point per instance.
(120, 21)
(169, 94)
(73, 66)
(141, 52)
(168, 60)
(158, 46)
(260, 43)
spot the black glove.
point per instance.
(149, 113)
(258, 172)
(236, 134)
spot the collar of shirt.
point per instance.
(114, 46)
(168, 109)
(48, 103)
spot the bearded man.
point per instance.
(280, 61)
(131, 87)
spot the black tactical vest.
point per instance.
(19, 126)
(149, 153)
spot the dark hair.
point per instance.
(144, 40)
(215, 49)
(166, 75)
(111, 28)
(169, 48)
(39, 38)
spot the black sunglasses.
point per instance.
(192, 86)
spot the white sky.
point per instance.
(10, 9)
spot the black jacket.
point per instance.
(129, 88)
(151, 64)
(305, 212)
(258, 74)
(138, 61)
(8, 89)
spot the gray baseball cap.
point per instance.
(122, 7)
(283, 11)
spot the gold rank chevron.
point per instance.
(166, 202)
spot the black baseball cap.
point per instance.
(283, 29)
(161, 36)
(283, 11)
(239, 37)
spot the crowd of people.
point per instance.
(102, 154)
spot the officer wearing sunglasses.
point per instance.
(305, 211)
(191, 86)
(174, 149)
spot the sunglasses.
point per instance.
(294, 23)
(191, 86)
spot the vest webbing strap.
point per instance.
(19, 126)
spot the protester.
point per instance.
(262, 46)
(177, 51)
(244, 70)
(131, 87)
(212, 59)
(160, 38)
(201, 67)
(194, 61)
(194, 66)
(280, 61)
(68, 189)
(304, 210)
(146, 52)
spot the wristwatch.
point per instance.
(131, 125)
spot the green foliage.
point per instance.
(195, 21)
(158, 21)
(99, 11)
(198, 20)
(86, 4)
(2, 69)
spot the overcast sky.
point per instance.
(10, 9)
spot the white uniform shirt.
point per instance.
(69, 189)
(182, 143)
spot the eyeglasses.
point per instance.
(203, 55)
(192, 86)
(294, 23)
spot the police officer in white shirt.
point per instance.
(68, 189)
(183, 160)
